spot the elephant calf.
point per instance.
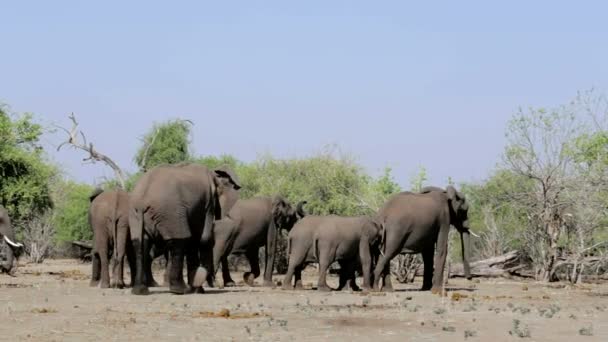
(251, 224)
(109, 219)
(348, 240)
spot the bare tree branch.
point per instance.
(93, 155)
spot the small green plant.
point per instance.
(449, 329)
(519, 330)
(549, 311)
(586, 331)
(522, 309)
(469, 333)
(439, 311)
(415, 308)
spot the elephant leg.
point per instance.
(427, 259)
(142, 254)
(131, 259)
(326, 257)
(176, 277)
(387, 279)
(270, 253)
(440, 256)
(105, 267)
(119, 259)
(226, 273)
(347, 277)
(382, 270)
(254, 262)
(96, 272)
(149, 277)
(294, 267)
(298, 285)
(166, 280)
(344, 276)
(193, 260)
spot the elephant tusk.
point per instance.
(381, 253)
(475, 235)
(12, 243)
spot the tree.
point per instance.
(165, 143)
(561, 154)
(25, 173)
(71, 213)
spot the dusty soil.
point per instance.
(53, 302)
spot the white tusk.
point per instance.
(12, 243)
(381, 253)
(475, 235)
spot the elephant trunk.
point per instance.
(465, 238)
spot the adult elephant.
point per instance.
(252, 224)
(7, 242)
(228, 193)
(109, 220)
(351, 241)
(177, 206)
(420, 223)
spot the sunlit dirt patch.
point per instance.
(15, 286)
(225, 313)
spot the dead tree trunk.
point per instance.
(508, 264)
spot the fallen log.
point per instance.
(505, 265)
(83, 244)
(82, 249)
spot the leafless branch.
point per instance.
(93, 155)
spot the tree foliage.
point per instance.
(25, 174)
(71, 212)
(165, 143)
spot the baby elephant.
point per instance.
(109, 219)
(348, 240)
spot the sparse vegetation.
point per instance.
(586, 331)
(519, 330)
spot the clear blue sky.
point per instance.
(397, 83)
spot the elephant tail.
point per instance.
(315, 248)
(115, 229)
(382, 247)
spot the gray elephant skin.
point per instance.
(109, 220)
(351, 241)
(7, 238)
(250, 225)
(416, 223)
(176, 206)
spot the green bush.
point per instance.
(71, 212)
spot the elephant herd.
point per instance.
(188, 211)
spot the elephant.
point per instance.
(420, 223)
(228, 193)
(109, 220)
(7, 238)
(175, 206)
(251, 224)
(351, 241)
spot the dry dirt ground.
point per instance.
(53, 302)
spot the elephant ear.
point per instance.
(95, 193)
(456, 199)
(225, 171)
(280, 208)
(300, 209)
(216, 193)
